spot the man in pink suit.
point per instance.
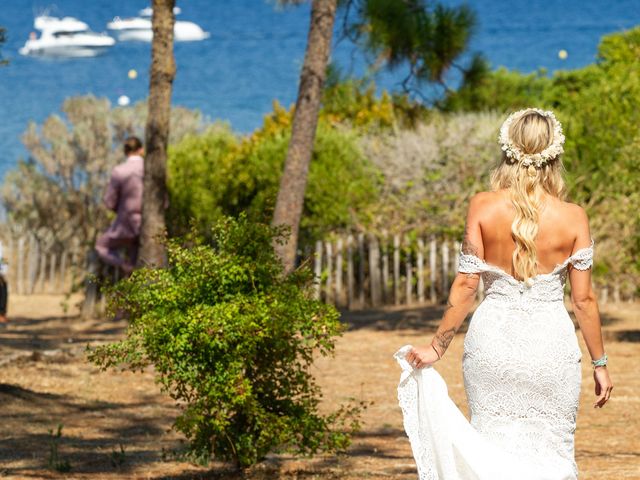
(124, 196)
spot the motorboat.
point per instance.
(138, 28)
(43, 22)
(65, 37)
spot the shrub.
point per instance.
(500, 90)
(231, 339)
(203, 180)
(431, 172)
(215, 174)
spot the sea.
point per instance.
(254, 54)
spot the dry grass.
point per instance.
(45, 381)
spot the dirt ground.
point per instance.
(116, 425)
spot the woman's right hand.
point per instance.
(603, 386)
(424, 356)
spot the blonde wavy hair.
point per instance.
(532, 132)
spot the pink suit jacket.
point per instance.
(124, 196)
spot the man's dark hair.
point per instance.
(132, 144)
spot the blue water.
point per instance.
(255, 51)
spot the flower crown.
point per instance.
(527, 159)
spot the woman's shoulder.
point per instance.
(489, 201)
(483, 198)
(573, 211)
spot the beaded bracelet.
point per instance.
(601, 362)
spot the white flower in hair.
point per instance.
(527, 159)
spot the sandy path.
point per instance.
(45, 381)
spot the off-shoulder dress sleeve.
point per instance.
(469, 263)
(583, 258)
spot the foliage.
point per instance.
(57, 193)
(354, 102)
(431, 172)
(501, 90)
(427, 37)
(215, 174)
(598, 107)
(232, 340)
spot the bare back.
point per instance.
(562, 229)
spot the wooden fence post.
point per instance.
(409, 272)
(52, 271)
(63, 272)
(20, 267)
(91, 286)
(432, 269)
(317, 270)
(604, 295)
(33, 265)
(396, 269)
(420, 270)
(374, 270)
(445, 269)
(8, 256)
(361, 274)
(339, 269)
(456, 258)
(42, 270)
(329, 287)
(350, 272)
(385, 267)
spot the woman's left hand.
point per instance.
(420, 357)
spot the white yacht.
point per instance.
(139, 28)
(65, 37)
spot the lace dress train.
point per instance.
(522, 376)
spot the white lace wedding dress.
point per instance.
(522, 376)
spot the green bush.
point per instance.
(231, 339)
(502, 90)
(354, 101)
(216, 174)
(203, 179)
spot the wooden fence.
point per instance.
(359, 271)
(31, 268)
(363, 270)
(352, 271)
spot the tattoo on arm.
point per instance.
(468, 247)
(442, 340)
(449, 306)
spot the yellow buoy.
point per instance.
(133, 74)
(562, 54)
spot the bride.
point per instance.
(521, 359)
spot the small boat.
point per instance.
(138, 29)
(65, 37)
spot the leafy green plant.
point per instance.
(217, 174)
(231, 340)
(55, 462)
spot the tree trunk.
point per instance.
(290, 199)
(162, 73)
